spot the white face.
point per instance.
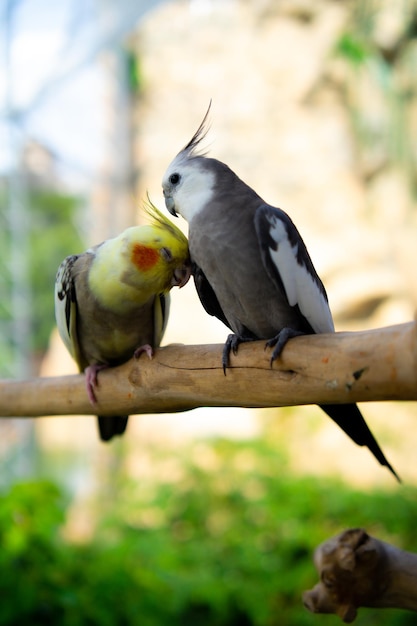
(187, 187)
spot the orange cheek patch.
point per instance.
(144, 258)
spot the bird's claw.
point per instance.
(231, 345)
(279, 342)
(91, 381)
(145, 348)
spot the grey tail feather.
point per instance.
(352, 422)
(112, 426)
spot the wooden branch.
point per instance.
(317, 369)
(358, 570)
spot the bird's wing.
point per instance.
(207, 296)
(160, 317)
(289, 266)
(66, 306)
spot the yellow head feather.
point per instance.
(159, 220)
(141, 262)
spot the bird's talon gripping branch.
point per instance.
(232, 344)
(235, 341)
(145, 348)
(226, 352)
(280, 341)
(91, 381)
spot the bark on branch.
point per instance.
(358, 570)
(317, 369)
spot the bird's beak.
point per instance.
(170, 204)
(181, 275)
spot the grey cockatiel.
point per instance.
(112, 301)
(251, 267)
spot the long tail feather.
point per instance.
(352, 422)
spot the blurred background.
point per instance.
(215, 511)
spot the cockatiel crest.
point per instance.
(112, 301)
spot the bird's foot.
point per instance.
(91, 380)
(232, 343)
(145, 348)
(279, 341)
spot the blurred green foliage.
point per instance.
(134, 72)
(53, 236)
(352, 48)
(223, 536)
(380, 89)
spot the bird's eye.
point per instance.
(174, 179)
(166, 254)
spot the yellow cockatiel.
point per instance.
(112, 301)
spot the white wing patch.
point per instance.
(300, 286)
